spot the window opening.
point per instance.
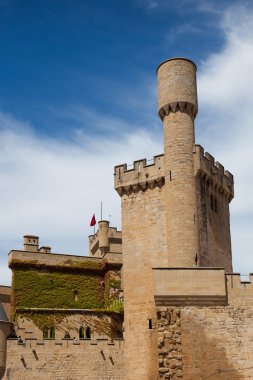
(75, 295)
(88, 332)
(81, 333)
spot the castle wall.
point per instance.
(64, 360)
(144, 242)
(198, 342)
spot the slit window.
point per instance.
(51, 333)
(81, 333)
(88, 332)
(75, 295)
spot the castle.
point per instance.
(186, 314)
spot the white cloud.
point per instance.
(52, 188)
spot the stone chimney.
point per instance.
(31, 243)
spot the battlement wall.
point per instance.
(239, 292)
(142, 176)
(55, 359)
(205, 164)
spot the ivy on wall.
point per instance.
(33, 288)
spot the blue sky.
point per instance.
(78, 96)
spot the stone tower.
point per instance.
(175, 214)
(177, 99)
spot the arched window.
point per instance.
(88, 332)
(81, 333)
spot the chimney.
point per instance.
(45, 249)
(31, 243)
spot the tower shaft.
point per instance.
(177, 96)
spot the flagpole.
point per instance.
(101, 211)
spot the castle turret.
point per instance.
(177, 99)
(103, 236)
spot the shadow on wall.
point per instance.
(186, 352)
(211, 346)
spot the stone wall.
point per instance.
(64, 360)
(144, 242)
(214, 226)
(196, 343)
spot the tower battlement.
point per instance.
(206, 166)
(141, 177)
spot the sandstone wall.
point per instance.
(214, 226)
(144, 246)
(64, 360)
(196, 343)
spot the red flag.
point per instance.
(93, 221)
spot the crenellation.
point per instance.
(144, 175)
(220, 179)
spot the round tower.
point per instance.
(103, 236)
(177, 107)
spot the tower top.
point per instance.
(177, 87)
(176, 59)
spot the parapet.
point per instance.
(189, 286)
(19, 259)
(205, 165)
(140, 177)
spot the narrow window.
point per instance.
(45, 333)
(52, 333)
(150, 324)
(88, 332)
(81, 332)
(75, 295)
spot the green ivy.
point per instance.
(33, 288)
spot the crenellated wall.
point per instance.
(141, 176)
(65, 359)
(215, 190)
